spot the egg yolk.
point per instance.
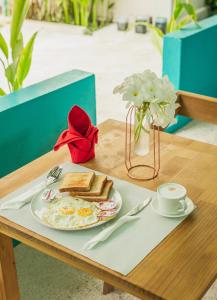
(67, 210)
(84, 212)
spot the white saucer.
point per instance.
(190, 207)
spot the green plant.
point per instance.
(65, 6)
(104, 7)
(82, 11)
(50, 10)
(182, 14)
(213, 5)
(92, 14)
(16, 57)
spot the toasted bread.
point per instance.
(104, 196)
(96, 187)
(77, 182)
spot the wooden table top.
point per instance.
(183, 265)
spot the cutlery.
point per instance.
(106, 233)
(26, 197)
(139, 207)
(53, 175)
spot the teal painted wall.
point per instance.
(32, 118)
(190, 59)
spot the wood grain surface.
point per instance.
(8, 278)
(182, 266)
(198, 107)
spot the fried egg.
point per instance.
(69, 212)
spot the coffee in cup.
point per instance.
(172, 198)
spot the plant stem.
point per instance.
(66, 11)
(3, 64)
(94, 15)
(82, 14)
(140, 115)
(8, 83)
(76, 11)
(85, 13)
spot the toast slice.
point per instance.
(96, 187)
(104, 196)
(77, 182)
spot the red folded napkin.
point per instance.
(81, 136)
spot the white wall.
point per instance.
(132, 8)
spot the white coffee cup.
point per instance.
(172, 198)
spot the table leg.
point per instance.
(107, 288)
(9, 289)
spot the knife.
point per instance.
(139, 207)
(107, 232)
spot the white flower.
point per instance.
(155, 95)
(133, 93)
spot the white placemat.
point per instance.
(125, 248)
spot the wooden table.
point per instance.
(183, 266)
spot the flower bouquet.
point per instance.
(154, 102)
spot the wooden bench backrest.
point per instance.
(198, 107)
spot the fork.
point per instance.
(53, 175)
(26, 197)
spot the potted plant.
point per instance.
(182, 14)
(16, 57)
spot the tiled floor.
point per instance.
(111, 55)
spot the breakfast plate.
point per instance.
(66, 212)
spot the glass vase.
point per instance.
(141, 138)
(141, 133)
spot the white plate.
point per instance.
(38, 204)
(190, 207)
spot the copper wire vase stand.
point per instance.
(155, 151)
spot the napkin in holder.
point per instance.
(81, 136)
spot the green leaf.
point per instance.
(177, 10)
(171, 26)
(184, 21)
(2, 92)
(18, 47)
(66, 11)
(190, 10)
(25, 61)
(157, 41)
(156, 36)
(76, 11)
(10, 73)
(3, 45)
(20, 9)
(152, 27)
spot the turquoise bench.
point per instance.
(189, 60)
(32, 118)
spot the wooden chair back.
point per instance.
(198, 107)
